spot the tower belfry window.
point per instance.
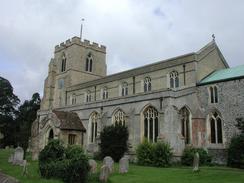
(63, 64)
(89, 62)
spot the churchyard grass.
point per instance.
(16, 171)
(179, 175)
(136, 174)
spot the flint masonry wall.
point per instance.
(230, 106)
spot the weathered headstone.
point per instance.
(18, 156)
(11, 158)
(104, 173)
(109, 162)
(196, 162)
(92, 163)
(123, 165)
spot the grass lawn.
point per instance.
(16, 171)
(179, 175)
(136, 174)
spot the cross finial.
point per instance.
(213, 36)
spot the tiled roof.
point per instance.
(69, 121)
(224, 74)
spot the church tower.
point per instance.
(74, 62)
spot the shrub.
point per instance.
(162, 154)
(73, 151)
(236, 152)
(144, 153)
(70, 164)
(188, 156)
(54, 151)
(158, 154)
(114, 141)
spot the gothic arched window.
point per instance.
(119, 117)
(50, 135)
(147, 84)
(151, 127)
(174, 79)
(93, 121)
(124, 90)
(216, 136)
(185, 124)
(63, 64)
(104, 93)
(88, 96)
(89, 61)
(213, 92)
(73, 99)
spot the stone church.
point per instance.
(189, 100)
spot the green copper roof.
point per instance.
(224, 74)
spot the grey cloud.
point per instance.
(136, 32)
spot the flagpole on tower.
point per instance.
(81, 27)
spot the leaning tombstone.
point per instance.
(92, 163)
(196, 162)
(104, 173)
(109, 162)
(123, 165)
(18, 156)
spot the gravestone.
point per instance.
(18, 156)
(109, 162)
(196, 162)
(11, 158)
(104, 173)
(92, 163)
(123, 165)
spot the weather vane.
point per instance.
(81, 27)
(213, 36)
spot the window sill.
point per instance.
(216, 146)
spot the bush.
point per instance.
(114, 141)
(70, 164)
(188, 156)
(144, 153)
(236, 152)
(54, 151)
(162, 154)
(158, 154)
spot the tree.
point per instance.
(236, 150)
(26, 116)
(114, 141)
(8, 104)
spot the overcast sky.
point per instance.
(136, 32)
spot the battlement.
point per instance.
(85, 43)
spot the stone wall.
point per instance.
(230, 106)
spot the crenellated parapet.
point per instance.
(77, 41)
